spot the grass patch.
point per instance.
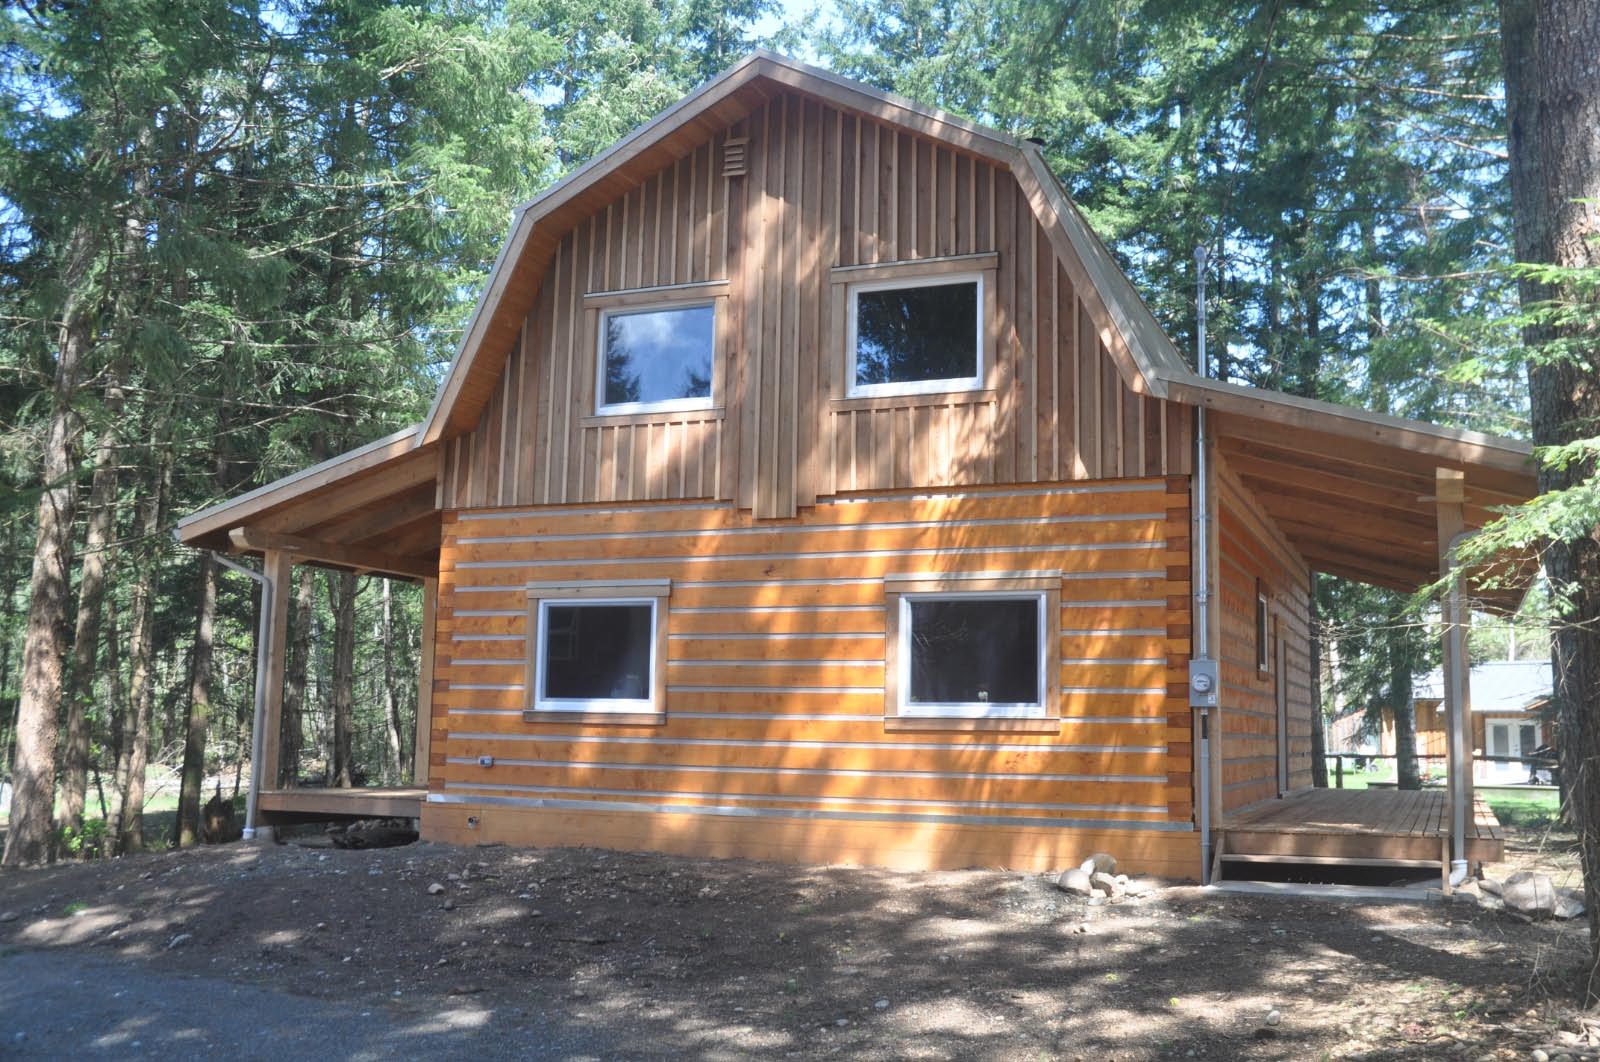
(1528, 811)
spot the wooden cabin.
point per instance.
(812, 485)
(1509, 703)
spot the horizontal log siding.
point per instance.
(823, 188)
(1251, 548)
(775, 682)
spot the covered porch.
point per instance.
(372, 511)
(1314, 488)
(1355, 827)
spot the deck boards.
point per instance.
(1380, 825)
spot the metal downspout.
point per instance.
(263, 634)
(1202, 697)
(1456, 691)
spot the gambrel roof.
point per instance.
(1308, 461)
(1146, 356)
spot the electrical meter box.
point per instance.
(1204, 684)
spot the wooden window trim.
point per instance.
(657, 590)
(844, 280)
(645, 300)
(680, 416)
(898, 586)
(916, 267)
(666, 293)
(980, 397)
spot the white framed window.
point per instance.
(597, 651)
(916, 335)
(973, 655)
(596, 655)
(656, 358)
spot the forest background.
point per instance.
(238, 238)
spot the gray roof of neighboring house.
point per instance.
(1501, 686)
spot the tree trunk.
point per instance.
(1553, 106)
(10, 576)
(344, 653)
(186, 830)
(91, 596)
(141, 693)
(31, 827)
(1407, 774)
(293, 730)
(391, 703)
(116, 727)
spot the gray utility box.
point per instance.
(1204, 684)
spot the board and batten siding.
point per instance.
(1252, 553)
(822, 189)
(774, 743)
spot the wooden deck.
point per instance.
(1358, 827)
(313, 803)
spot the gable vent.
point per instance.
(733, 156)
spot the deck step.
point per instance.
(1329, 861)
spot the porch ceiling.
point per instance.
(1364, 508)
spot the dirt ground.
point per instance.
(733, 959)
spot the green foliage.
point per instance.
(85, 842)
(1383, 644)
(1341, 161)
(291, 208)
(1563, 339)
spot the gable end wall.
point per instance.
(823, 188)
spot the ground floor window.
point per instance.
(984, 650)
(590, 653)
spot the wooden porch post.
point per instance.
(423, 744)
(1450, 497)
(278, 566)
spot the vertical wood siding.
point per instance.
(1251, 549)
(823, 188)
(775, 675)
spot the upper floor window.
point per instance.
(916, 336)
(656, 359)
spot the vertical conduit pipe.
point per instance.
(1202, 575)
(1456, 690)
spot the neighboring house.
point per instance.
(1508, 699)
(1348, 732)
(811, 484)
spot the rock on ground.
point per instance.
(1075, 880)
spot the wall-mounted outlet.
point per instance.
(472, 822)
(485, 761)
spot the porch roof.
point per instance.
(1354, 491)
(372, 509)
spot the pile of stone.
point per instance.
(1097, 879)
(1531, 893)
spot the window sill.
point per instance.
(974, 724)
(661, 416)
(972, 396)
(596, 718)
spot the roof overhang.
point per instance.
(373, 509)
(1354, 491)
